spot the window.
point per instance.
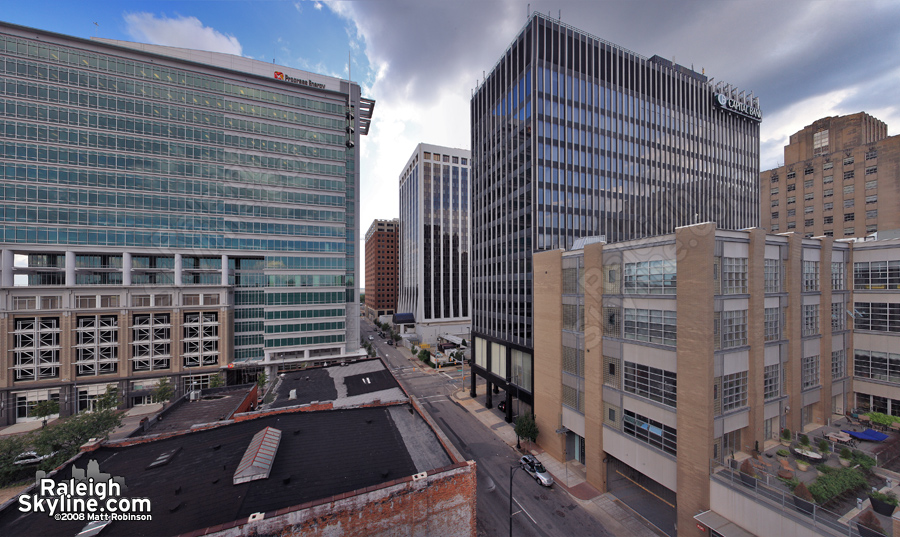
(650, 432)
(849, 217)
(871, 154)
(654, 326)
(775, 227)
(848, 190)
(810, 319)
(808, 196)
(36, 351)
(871, 169)
(872, 199)
(877, 316)
(809, 209)
(828, 165)
(837, 275)
(828, 206)
(871, 228)
(871, 185)
(152, 342)
(772, 381)
(140, 301)
(774, 191)
(791, 212)
(849, 175)
(774, 203)
(200, 344)
(808, 222)
(848, 161)
(97, 347)
(791, 175)
(650, 277)
(872, 213)
(791, 200)
(820, 143)
(808, 171)
(775, 215)
(876, 365)
(810, 275)
(774, 178)
(848, 203)
(734, 328)
(809, 371)
(772, 324)
(838, 364)
(837, 316)
(650, 382)
(828, 179)
(848, 231)
(876, 275)
(792, 225)
(828, 193)
(572, 318)
(772, 270)
(734, 275)
(734, 391)
(792, 187)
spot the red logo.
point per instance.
(279, 75)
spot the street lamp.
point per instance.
(512, 472)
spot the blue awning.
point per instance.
(404, 318)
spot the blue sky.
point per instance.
(421, 59)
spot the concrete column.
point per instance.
(593, 365)
(756, 338)
(547, 357)
(126, 268)
(178, 270)
(70, 269)
(224, 269)
(6, 266)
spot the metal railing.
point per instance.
(763, 490)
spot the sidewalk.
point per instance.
(606, 508)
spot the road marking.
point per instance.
(446, 375)
(652, 494)
(533, 521)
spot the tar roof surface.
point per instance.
(321, 454)
(358, 383)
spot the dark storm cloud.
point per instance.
(783, 51)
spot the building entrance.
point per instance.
(651, 500)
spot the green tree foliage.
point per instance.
(836, 483)
(109, 399)
(10, 447)
(44, 409)
(215, 381)
(261, 380)
(526, 427)
(69, 434)
(424, 355)
(163, 391)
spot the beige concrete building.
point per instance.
(658, 356)
(841, 178)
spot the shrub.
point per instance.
(888, 497)
(885, 420)
(804, 440)
(864, 461)
(783, 453)
(747, 468)
(791, 483)
(845, 454)
(834, 483)
(823, 446)
(786, 433)
(869, 520)
(803, 493)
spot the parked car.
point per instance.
(371, 338)
(28, 458)
(536, 470)
(390, 342)
(501, 406)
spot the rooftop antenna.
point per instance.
(97, 29)
(349, 66)
(528, 11)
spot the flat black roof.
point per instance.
(321, 454)
(354, 384)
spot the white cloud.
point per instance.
(185, 32)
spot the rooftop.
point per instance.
(319, 456)
(358, 383)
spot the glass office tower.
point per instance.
(169, 213)
(576, 137)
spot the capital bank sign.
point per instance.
(299, 81)
(738, 107)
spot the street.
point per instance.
(538, 510)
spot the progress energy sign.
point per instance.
(299, 81)
(737, 107)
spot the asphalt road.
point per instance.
(538, 511)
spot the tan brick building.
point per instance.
(841, 178)
(657, 356)
(382, 276)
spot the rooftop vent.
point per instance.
(257, 460)
(163, 459)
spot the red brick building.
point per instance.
(382, 274)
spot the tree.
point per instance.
(395, 336)
(526, 427)
(109, 399)
(44, 409)
(10, 447)
(67, 436)
(215, 381)
(163, 391)
(424, 355)
(261, 380)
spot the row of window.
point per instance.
(876, 275)
(877, 365)
(650, 382)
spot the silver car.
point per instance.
(536, 470)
